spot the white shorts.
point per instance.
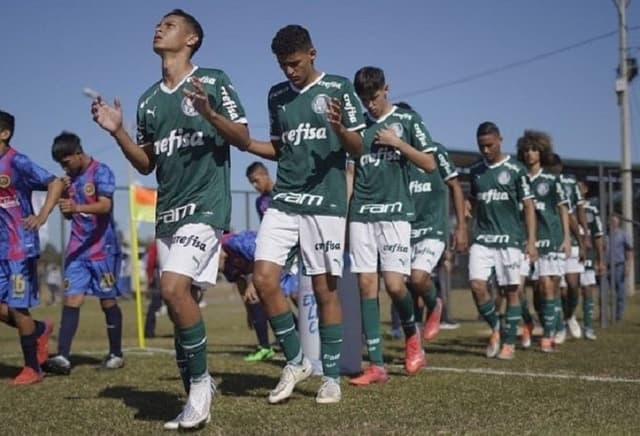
(526, 269)
(505, 261)
(572, 265)
(193, 250)
(426, 254)
(321, 239)
(550, 264)
(390, 240)
(588, 278)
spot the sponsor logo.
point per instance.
(540, 206)
(176, 214)
(443, 162)
(327, 246)
(504, 177)
(420, 252)
(229, 104)
(493, 195)
(407, 117)
(542, 189)
(9, 202)
(177, 139)
(416, 187)
(152, 112)
(417, 233)
(89, 189)
(207, 80)
(494, 239)
(320, 103)
(5, 181)
(395, 248)
(543, 243)
(382, 154)
(421, 136)
(189, 241)
(295, 198)
(381, 208)
(329, 85)
(187, 107)
(350, 109)
(305, 132)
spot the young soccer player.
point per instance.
(20, 248)
(186, 122)
(315, 118)
(498, 185)
(92, 258)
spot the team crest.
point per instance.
(504, 178)
(5, 181)
(397, 129)
(89, 189)
(320, 103)
(187, 107)
(542, 189)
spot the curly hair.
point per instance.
(537, 140)
(291, 39)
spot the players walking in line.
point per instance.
(499, 185)
(552, 231)
(315, 117)
(186, 122)
(20, 248)
(92, 258)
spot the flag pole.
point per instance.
(135, 264)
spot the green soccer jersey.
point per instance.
(549, 195)
(192, 157)
(498, 190)
(595, 229)
(429, 192)
(573, 194)
(311, 166)
(381, 182)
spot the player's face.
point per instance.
(72, 164)
(298, 67)
(489, 146)
(376, 104)
(583, 188)
(259, 179)
(172, 34)
(531, 156)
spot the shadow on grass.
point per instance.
(149, 405)
(460, 346)
(84, 360)
(8, 371)
(250, 385)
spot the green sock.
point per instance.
(548, 317)
(330, 347)
(371, 329)
(587, 312)
(431, 298)
(285, 332)
(524, 305)
(513, 319)
(418, 311)
(194, 343)
(407, 317)
(559, 320)
(181, 361)
(488, 312)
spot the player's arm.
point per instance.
(264, 149)
(350, 138)
(101, 207)
(530, 223)
(423, 159)
(461, 235)
(350, 173)
(601, 266)
(110, 119)
(563, 210)
(55, 188)
(575, 230)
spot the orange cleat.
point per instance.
(372, 374)
(27, 376)
(546, 345)
(43, 343)
(414, 357)
(507, 352)
(432, 324)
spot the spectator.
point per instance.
(619, 251)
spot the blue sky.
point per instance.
(52, 50)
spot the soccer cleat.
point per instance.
(329, 391)
(372, 374)
(27, 376)
(560, 337)
(42, 343)
(507, 352)
(414, 357)
(449, 325)
(589, 334)
(574, 327)
(493, 347)
(174, 424)
(197, 411)
(262, 353)
(111, 361)
(57, 365)
(546, 345)
(432, 324)
(527, 332)
(291, 376)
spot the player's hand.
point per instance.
(601, 268)
(387, 136)
(66, 181)
(66, 206)
(586, 240)
(251, 295)
(33, 222)
(531, 251)
(565, 248)
(334, 114)
(107, 117)
(198, 96)
(461, 240)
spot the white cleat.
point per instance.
(174, 424)
(574, 327)
(590, 334)
(329, 392)
(560, 337)
(197, 411)
(291, 376)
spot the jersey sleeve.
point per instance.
(446, 167)
(419, 136)
(560, 194)
(596, 226)
(352, 114)
(144, 130)
(523, 186)
(226, 99)
(105, 181)
(34, 176)
(579, 199)
(274, 126)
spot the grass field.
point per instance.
(585, 388)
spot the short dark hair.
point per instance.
(538, 140)
(368, 81)
(65, 144)
(255, 166)
(404, 105)
(7, 122)
(487, 128)
(555, 160)
(291, 39)
(195, 26)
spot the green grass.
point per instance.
(138, 398)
